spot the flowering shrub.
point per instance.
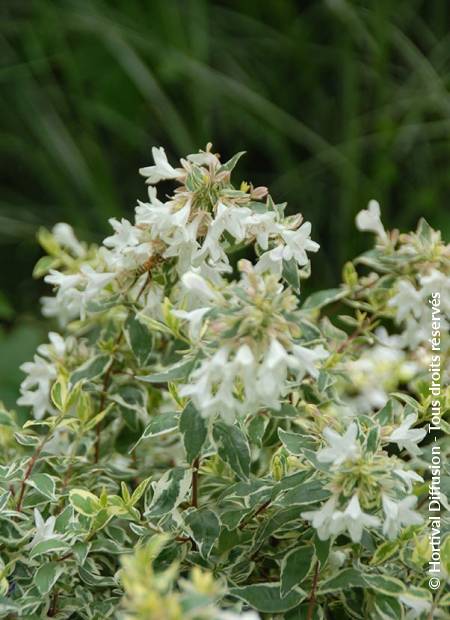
(204, 443)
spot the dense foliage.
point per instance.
(203, 442)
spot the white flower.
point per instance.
(271, 261)
(95, 281)
(211, 387)
(321, 519)
(341, 448)
(204, 158)
(298, 242)
(406, 437)
(369, 220)
(408, 477)
(65, 236)
(44, 529)
(65, 306)
(407, 300)
(126, 235)
(35, 387)
(231, 219)
(197, 285)
(436, 281)
(306, 360)
(161, 170)
(377, 371)
(353, 519)
(56, 347)
(399, 514)
(271, 376)
(64, 282)
(261, 226)
(194, 318)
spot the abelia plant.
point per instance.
(202, 442)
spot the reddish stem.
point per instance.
(312, 596)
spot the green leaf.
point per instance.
(139, 339)
(322, 548)
(53, 545)
(194, 430)
(96, 581)
(92, 369)
(58, 394)
(388, 607)
(84, 502)
(285, 411)
(139, 491)
(295, 566)
(232, 447)
(231, 163)
(177, 372)
(170, 491)
(43, 483)
(385, 551)
(424, 231)
(256, 429)
(204, 527)
(290, 274)
(266, 597)
(44, 264)
(323, 298)
(161, 424)
(386, 415)
(348, 578)
(373, 440)
(275, 522)
(307, 493)
(80, 550)
(384, 584)
(295, 443)
(46, 577)
(105, 303)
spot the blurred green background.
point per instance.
(336, 102)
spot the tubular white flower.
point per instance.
(406, 437)
(306, 360)
(407, 300)
(353, 519)
(298, 242)
(341, 447)
(321, 519)
(369, 220)
(196, 284)
(408, 477)
(162, 170)
(399, 514)
(194, 318)
(44, 529)
(65, 236)
(126, 235)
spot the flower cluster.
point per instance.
(251, 344)
(357, 471)
(202, 442)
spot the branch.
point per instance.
(312, 596)
(195, 468)
(260, 509)
(29, 471)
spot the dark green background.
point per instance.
(336, 102)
